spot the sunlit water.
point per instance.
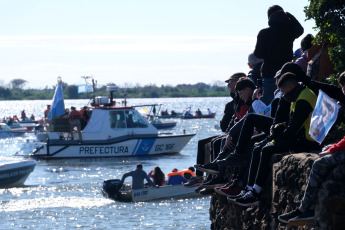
(65, 194)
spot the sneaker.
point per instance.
(205, 191)
(215, 182)
(222, 155)
(194, 182)
(306, 218)
(238, 195)
(197, 190)
(284, 218)
(251, 198)
(232, 160)
(226, 185)
(232, 190)
(208, 168)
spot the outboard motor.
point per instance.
(111, 188)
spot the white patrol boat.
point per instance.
(110, 132)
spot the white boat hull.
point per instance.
(130, 146)
(114, 190)
(14, 173)
(164, 192)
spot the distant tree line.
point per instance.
(15, 91)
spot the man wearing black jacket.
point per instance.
(275, 46)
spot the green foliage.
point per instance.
(137, 91)
(329, 16)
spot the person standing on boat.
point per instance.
(74, 121)
(46, 111)
(138, 175)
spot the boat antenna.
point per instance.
(94, 83)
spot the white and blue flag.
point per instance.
(58, 104)
(85, 88)
(324, 116)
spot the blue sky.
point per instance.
(131, 42)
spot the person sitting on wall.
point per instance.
(291, 136)
(330, 157)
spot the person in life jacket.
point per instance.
(74, 121)
(188, 173)
(175, 178)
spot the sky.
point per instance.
(130, 42)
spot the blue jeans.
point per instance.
(269, 85)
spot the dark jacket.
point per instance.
(275, 43)
(229, 111)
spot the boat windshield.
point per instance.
(117, 119)
(133, 120)
(126, 119)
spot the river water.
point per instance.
(65, 194)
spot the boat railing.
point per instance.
(58, 125)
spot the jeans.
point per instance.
(269, 85)
(319, 171)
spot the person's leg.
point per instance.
(241, 173)
(252, 121)
(304, 215)
(269, 85)
(320, 169)
(267, 152)
(252, 197)
(200, 159)
(79, 130)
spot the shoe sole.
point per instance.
(193, 185)
(220, 192)
(283, 221)
(210, 171)
(256, 203)
(211, 186)
(300, 222)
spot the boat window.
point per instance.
(117, 119)
(133, 120)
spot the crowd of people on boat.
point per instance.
(270, 112)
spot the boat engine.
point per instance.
(111, 188)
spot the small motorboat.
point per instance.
(6, 131)
(156, 122)
(14, 172)
(189, 116)
(113, 189)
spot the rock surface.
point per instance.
(283, 194)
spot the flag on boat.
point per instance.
(323, 118)
(58, 104)
(85, 88)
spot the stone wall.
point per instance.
(283, 194)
